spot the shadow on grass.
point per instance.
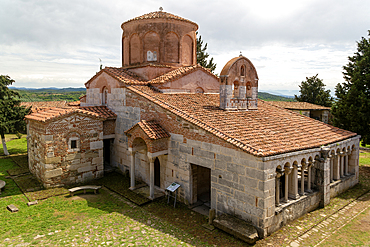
(120, 184)
(11, 187)
(181, 222)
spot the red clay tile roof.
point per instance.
(48, 114)
(74, 103)
(152, 129)
(148, 64)
(180, 72)
(41, 105)
(298, 105)
(127, 77)
(102, 111)
(159, 15)
(267, 131)
(122, 75)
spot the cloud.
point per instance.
(59, 43)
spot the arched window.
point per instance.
(151, 46)
(171, 48)
(236, 89)
(187, 50)
(242, 71)
(104, 96)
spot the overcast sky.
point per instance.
(47, 43)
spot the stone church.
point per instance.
(163, 118)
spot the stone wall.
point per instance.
(342, 185)
(241, 184)
(293, 211)
(52, 158)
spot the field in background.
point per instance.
(73, 94)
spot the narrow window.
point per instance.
(104, 96)
(73, 144)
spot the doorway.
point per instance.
(157, 172)
(201, 189)
(201, 177)
(107, 155)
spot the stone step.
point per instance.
(237, 227)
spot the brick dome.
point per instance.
(159, 37)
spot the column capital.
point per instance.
(279, 173)
(304, 165)
(288, 170)
(297, 165)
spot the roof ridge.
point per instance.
(159, 15)
(173, 74)
(50, 113)
(201, 124)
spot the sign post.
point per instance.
(171, 192)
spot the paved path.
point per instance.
(316, 234)
(319, 233)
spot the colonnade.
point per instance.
(294, 181)
(339, 165)
(291, 176)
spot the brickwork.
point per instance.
(168, 40)
(109, 127)
(56, 160)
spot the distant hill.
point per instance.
(73, 94)
(272, 97)
(50, 94)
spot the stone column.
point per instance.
(151, 185)
(309, 177)
(294, 183)
(331, 168)
(323, 176)
(132, 171)
(337, 166)
(287, 171)
(304, 164)
(277, 186)
(341, 164)
(346, 173)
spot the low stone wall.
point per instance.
(294, 210)
(342, 185)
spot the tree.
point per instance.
(202, 55)
(11, 113)
(352, 109)
(313, 91)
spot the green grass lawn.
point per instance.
(89, 219)
(108, 218)
(82, 220)
(15, 146)
(364, 159)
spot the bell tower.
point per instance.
(239, 85)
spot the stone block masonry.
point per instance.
(54, 161)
